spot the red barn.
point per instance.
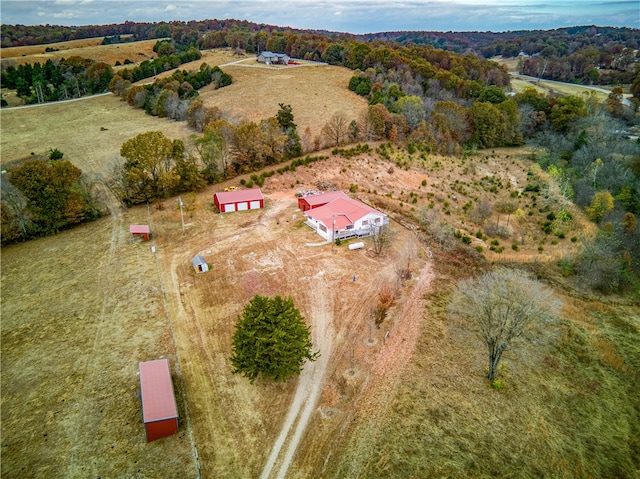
(310, 202)
(159, 411)
(240, 200)
(140, 230)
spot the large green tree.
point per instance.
(293, 146)
(272, 340)
(148, 168)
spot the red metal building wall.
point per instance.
(159, 429)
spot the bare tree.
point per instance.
(501, 306)
(381, 236)
(482, 211)
(440, 231)
(336, 130)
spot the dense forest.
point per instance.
(422, 96)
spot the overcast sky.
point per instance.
(353, 16)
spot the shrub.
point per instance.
(466, 239)
(498, 230)
(515, 247)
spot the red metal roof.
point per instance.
(324, 198)
(158, 401)
(139, 229)
(344, 211)
(225, 197)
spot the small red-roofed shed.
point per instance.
(140, 230)
(159, 411)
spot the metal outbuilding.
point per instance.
(159, 411)
(310, 202)
(200, 264)
(240, 200)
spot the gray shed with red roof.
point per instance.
(159, 411)
(240, 200)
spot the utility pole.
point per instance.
(333, 233)
(181, 214)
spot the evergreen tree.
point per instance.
(293, 146)
(271, 340)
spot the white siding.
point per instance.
(254, 205)
(229, 207)
(243, 206)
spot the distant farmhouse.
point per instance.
(271, 58)
(341, 217)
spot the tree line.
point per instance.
(42, 196)
(75, 76)
(155, 167)
(67, 78)
(169, 97)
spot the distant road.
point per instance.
(625, 101)
(56, 102)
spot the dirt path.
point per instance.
(309, 386)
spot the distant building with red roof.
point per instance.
(343, 218)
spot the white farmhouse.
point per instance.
(344, 218)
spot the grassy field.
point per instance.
(82, 308)
(91, 48)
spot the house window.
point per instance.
(378, 219)
(365, 222)
(348, 227)
(323, 228)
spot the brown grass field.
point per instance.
(87, 48)
(81, 309)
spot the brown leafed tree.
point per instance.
(500, 307)
(336, 130)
